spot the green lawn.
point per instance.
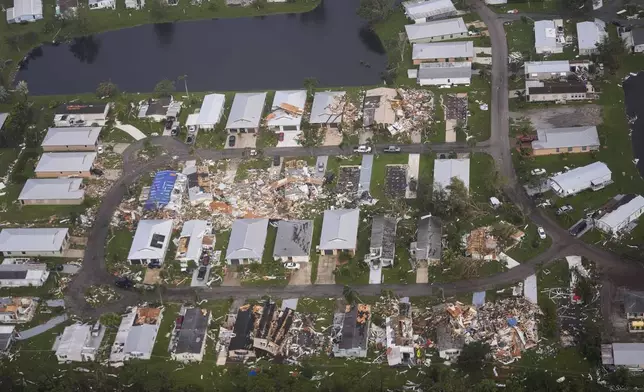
(478, 124)
(379, 170)
(529, 6)
(249, 164)
(526, 249)
(117, 248)
(7, 157)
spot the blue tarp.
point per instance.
(161, 189)
(512, 322)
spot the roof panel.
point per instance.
(435, 28)
(32, 239)
(566, 137)
(247, 239)
(340, 229)
(443, 50)
(66, 162)
(52, 189)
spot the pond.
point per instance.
(330, 43)
(634, 96)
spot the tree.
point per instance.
(164, 88)
(574, 5)
(13, 42)
(472, 357)
(504, 234)
(621, 378)
(107, 89)
(310, 136)
(17, 124)
(4, 94)
(22, 89)
(158, 9)
(81, 20)
(350, 295)
(374, 11)
(610, 52)
(310, 84)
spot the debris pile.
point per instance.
(98, 295)
(416, 106)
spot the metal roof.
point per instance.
(246, 111)
(589, 34)
(29, 271)
(545, 34)
(628, 354)
(65, 162)
(383, 235)
(428, 238)
(446, 169)
(280, 117)
(52, 189)
(195, 229)
(294, 238)
(443, 50)
(428, 9)
(193, 331)
(140, 339)
(638, 36)
(3, 118)
(581, 177)
(6, 336)
(340, 229)
(151, 239)
(247, 239)
(442, 70)
(73, 340)
(32, 239)
(82, 108)
(624, 213)
(327, 107)
(211, 109)
(555, 66)
(566, 137)
(26, 7)
(435, 28)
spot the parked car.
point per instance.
(280, 136)
(538, 172)
(564, 209)
(168, 124)
(190, 139)
(392, 149)
(57, 267)
(292, 266)
(253, 152)
(277, 160)
(362, 148)
(413, 184)
(321, 167)
(154, 264)
(96, 329)
(100, 149)
(231, 140)
(576, 229)
(123, 282)
(192, 128)
(96, 172)
(541, 232)
(201, 275)
(514, 11)
(174, 131)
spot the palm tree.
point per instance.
(350, 295)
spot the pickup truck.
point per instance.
(362, 148)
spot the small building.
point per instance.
(65, 164)
(542, 70)
(101, 4)
(293, 241)
(634, 309)
(23, 275)
(399, 335)
(247, 240)
(457, 51)
(7, 336)
(192, 328)
(449, 345)
(134, 4)
(377, 106)
(190, 245)
(634, 40)
(52, 191)
(81, 114)
(496, 2)
(246, 113)
(24, 11)
(428, 246)
(447, 73)
(79, 343)
(211, 111)
(71, 139)
(438, 30)
(150, 242)
(589, 35)
(240, 348)
(136, 335)
(272, 330)
(446, 169)
(594, 176)
(339, 232)
(351, 331)
(34, 242)
(422, 11)
(382, 248)
(17, 310)
(159, 109)
(537, 91)
(565, 140)
(549, 36)
(286, 110)
(327, 109)
(628, 355)
(622, 217)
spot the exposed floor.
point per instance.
(326, 266)
(152, 276)
(274, 171)
(564, 116)
(450, 133)
(111, 174)
(290, 139)
(413, 163)
(74, 253)
(130, 130)
(332, 138)
(302, 276)
(231, 170)
(231, 278)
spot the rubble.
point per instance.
(98, 295)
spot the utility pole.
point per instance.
(185, 83)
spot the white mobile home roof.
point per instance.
(443, 50)
(144, 246)
(625, 354)
(65, 162)
(195, 229)
(246, 111)
(32, 240)
(280, 117)
(581, 177)
(428, 9)
(327, 107)
(52, 189)
(623, 213)
(552, 67)
(442, 70)
(545, 34)
(566, 137)
(22, 8)
(435, 28)
(589, 34)
(340, 229)
(247, 239)
(211, 108)
(446, 169)
(73, 340)
(71, 136)
(31, 273)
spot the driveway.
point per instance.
(422, 273)
(332, 138)
(375, 275)
(413, 163)
(326, 266)
(302, 276)
(242, 140)
(231, 278)
(290, 139)
(131, 130)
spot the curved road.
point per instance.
(498, 146)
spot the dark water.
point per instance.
(634, 100)
(329, 43)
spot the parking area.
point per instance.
(413, 165)
(242, 140)
(395, 181)
(290, 139)
(326, 266)
(348, 179)
(301, 276)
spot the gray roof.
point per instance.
(32, 240)
(3, 118)
(193, 331)
(429, 238)
(629, 211)
(340, 229)
(435, 28)
(625, 354)
(442, 50)
(428, 9)
(247, 239)
(155, 107)
(246, 111)
(638, 36)
(52, 189)
(450, 70)
(633, 301)
(211, 109)
(383, 235)
(6, 336)
(355, 335)
(589, 34)
(327, 107)
(566, 137)
(553, 66)
(581, 177)
(22, 271)
(71, 136)
(66, 162)
(141, 339)
(294, 238)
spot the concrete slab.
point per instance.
(332, 138)
(326, 266)
(413, 165)
(530, 288)
(243, 140)
(290, 139)
(450, 133)
(365, 173)
(112, 174)
(74, 253)
(130, 130)
(152, 276)
(509, 261)
(231, 278)
(422, 273)
(70, 269)
(375, 275)
(302, 276)
(478, 49)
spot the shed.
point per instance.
(246, 112)
(71, 139)
(52, 191)
(619, 219)
(65, 164)
(46, 242)
(594, 176)
(151, 241)
(247, 240)
(339, 231)
(211, 111)
(293, 241)
(446, 169)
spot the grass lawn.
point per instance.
(478, 124)
(170, 314)
(388, 32)
(379, 170)
(7, 157)
(322, 307)
(440, 274)
(520, 37)
(117, 248)
(526, 249)
(482, 172)
(268, 266)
